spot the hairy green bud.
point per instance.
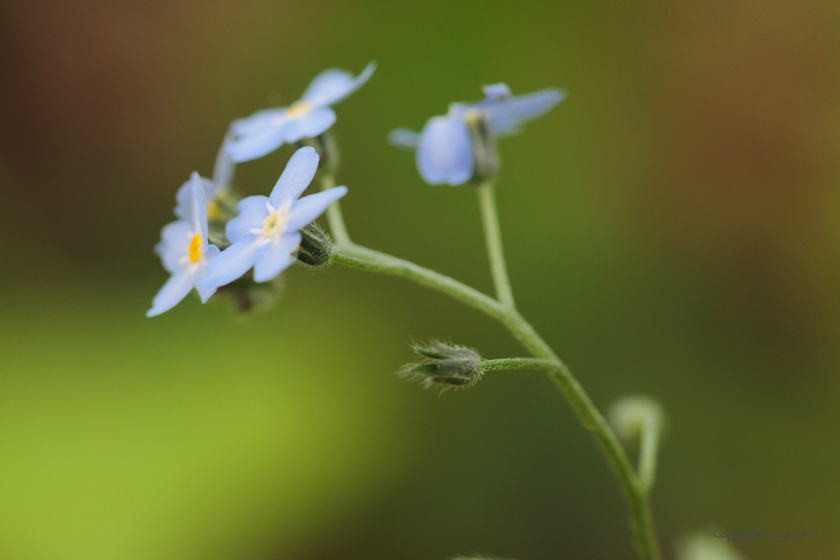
(444, 366)
(315, 246)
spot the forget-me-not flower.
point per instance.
(266, 234)
(266, 130)
(215, 189)
(445, 152)
(185, 252)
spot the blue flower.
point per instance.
(214, 189)
(185, 252)
(266, 234)
(444, 148)
(266, 130)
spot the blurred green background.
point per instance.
(672, 228)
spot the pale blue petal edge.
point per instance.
(205, 293)
(315, 122)
(248, 147)
(403, 138)
(199, 217)
(174, 244)
(277, 256)
(506, 115)
(296, 176)
(184, 197)
(232, 263)
(173, 291)
(331, 86)
(252, 214)
(305, 210)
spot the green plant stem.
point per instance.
(493, 236)
(361, 258)
(634, 491)
(334, 215)
(648, 450)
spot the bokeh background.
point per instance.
(672, 229)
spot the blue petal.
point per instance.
(199, 217)
(308, 125)
(444, 152)
(305, 210)
(277, 256)
(296, 177)
(232, 263)
(173, 291)
(184, 197)
(175, 238)
(211, 253)
(252, 214)
(259, 122)
(224, 167)
(403, 138)
(506, 115)
(247, 147)
(331, 86)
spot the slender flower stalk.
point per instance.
(640, 419)
(334, 214)
(648, 452)
(493, 236)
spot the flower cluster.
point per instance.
(218, 239)
(259, 232)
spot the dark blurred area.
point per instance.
(672, 229)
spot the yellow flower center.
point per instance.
(276, 220)
(298, 109)
(195, 248)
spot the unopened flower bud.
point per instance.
(630, 415)
(315, 246)
(444, 365)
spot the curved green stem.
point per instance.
(635, 490)
(355, 256)
(361, 258)
(493, 236)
